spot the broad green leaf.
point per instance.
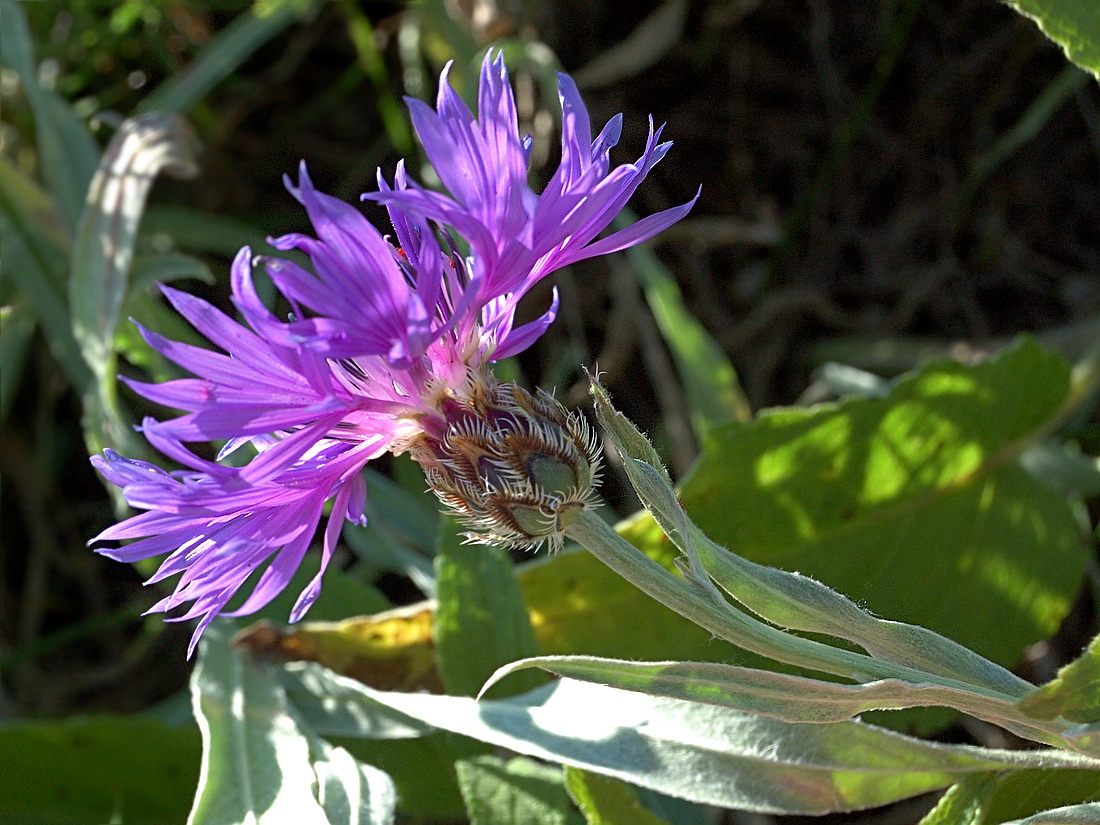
(261, 764)
(1072, 24)
(481, 621)
(224, 52)
(607, 801)
(912, 504)
(519, 792)
(1074, 694)
(692, 750)
(788, 600)
(1025, 793)
(76, 771)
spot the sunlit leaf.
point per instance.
(261, 764)
(911, 504)
(692, 750)
(778, 695)
(1072, 24)
(607, 801)
(964, 803)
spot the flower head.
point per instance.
(386, 350)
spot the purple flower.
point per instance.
(385, 351)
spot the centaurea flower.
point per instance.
(386, 350)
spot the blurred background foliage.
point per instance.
(883, 183)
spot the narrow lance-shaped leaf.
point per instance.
(35, 257)
(784, 696)
(227, 50)
(103, 251)
(67, 152)
(692, 750)
(710, 381)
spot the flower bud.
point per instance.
(517, 468)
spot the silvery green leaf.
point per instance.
(260, 763)
(692, 750)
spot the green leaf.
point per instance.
(711, 386)
(160, 268)
(67, 153)
(1072, 24)
(912, 504)
(1025, 793)
(224, 52)
(423, 770)
(1087, 814)
(607, 801)
(1074, 694)
(260, 763)
(777, 695)
(103, 249)
(519, 792)
(77, 771)
(481, 621)
(199, 231)
(35, 257)
(692, 750)
(964, 803)
(420, 761)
